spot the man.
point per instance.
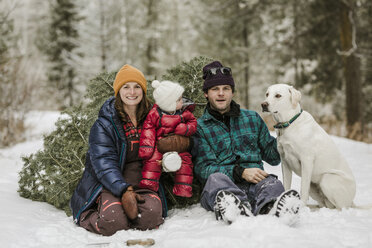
(230, 146)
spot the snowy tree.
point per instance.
(364, 13)
(328, 37)
(60, 46)
(15, 86)
(104, 36)
(264, 42)
(351, 67)
(6, 40)
(230, 32)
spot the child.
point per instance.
(170, 115)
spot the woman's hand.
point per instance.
(254, 175)
(129, 201)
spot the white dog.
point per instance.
(306, 149)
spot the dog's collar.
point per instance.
(287, 123)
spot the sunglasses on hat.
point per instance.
(213, 71)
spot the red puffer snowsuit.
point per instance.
(156, 126)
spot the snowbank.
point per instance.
(34, 224)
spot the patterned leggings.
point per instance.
(108, 216)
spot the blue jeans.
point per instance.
(258, 195)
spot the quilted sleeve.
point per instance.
(188, 124)
(148, 135)
(105, 159)
(267, 144)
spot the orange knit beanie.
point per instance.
(128, 74)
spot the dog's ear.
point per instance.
(295, 96)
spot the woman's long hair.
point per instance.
(142, 110)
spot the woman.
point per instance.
(106, 199)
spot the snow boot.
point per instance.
(228, 207)
(287, 207)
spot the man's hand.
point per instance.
(254, 175)
(129, 201)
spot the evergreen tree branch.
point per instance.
(78, 130)
(78, 158)
(56, 161)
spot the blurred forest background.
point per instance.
(50, 49)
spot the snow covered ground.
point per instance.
(25, 223)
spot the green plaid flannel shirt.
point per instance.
(247, 143)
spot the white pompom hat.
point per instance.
(166, 94)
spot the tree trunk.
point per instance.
(70, 87)
(102, 35)
(296, 46)
(352, 73)
(151, 43)
(366, 65)
(246, 67)
(245, 56)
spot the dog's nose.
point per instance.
(265, 107)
